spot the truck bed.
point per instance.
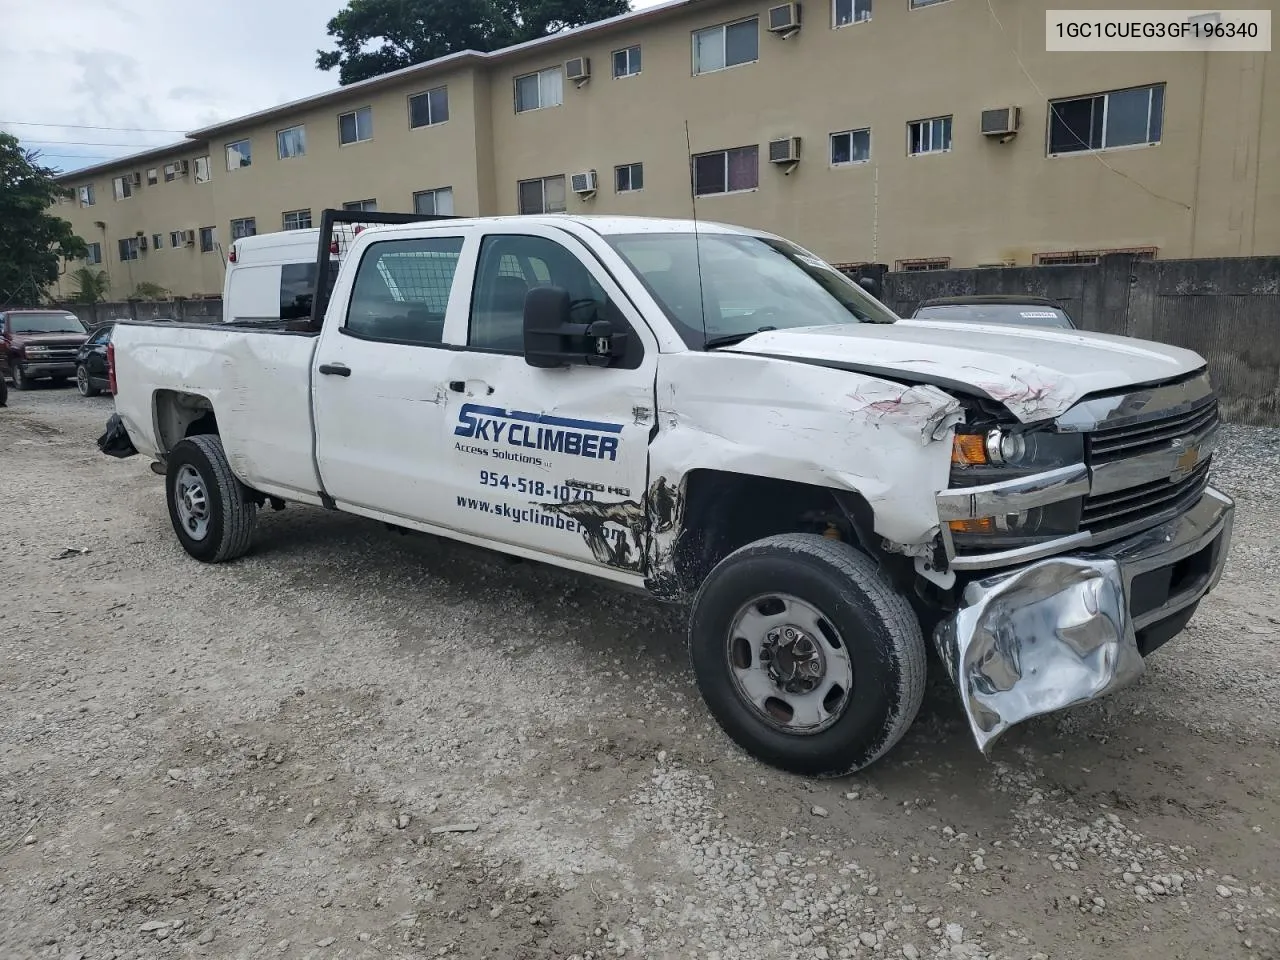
(257, 377)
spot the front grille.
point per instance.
(1134, 439)
(56, 355)
(1148, 501)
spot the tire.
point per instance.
(20, 379)
(199, 463)
(84, 384)
(839, 593)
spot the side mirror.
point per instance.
(869, 284)
(553, 339)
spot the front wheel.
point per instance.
(20, 379)
(210, 509)
(806, 655)
(83, 383)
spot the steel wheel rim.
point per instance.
(191, 501)
(789, 664)
(82, 380)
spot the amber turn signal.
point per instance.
(969, 450)
(975, 525)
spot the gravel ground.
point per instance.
(356, 744)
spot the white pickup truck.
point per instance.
(714, 414)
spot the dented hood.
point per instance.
(1036, 373)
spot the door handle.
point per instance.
(336, 369)
(460, 386)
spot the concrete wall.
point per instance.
(207, 310)
(1226, 309)
(1210, 187)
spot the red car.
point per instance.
(39, 343)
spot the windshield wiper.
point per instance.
(729, 339)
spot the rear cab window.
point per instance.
(401, 290)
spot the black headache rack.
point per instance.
(338, 228)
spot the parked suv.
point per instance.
(39, 343)
(92, 376)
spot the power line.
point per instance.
(97, 143)
(80, 126)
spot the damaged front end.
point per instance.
(1066, 630)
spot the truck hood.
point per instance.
(49, 339)
(1036, 373)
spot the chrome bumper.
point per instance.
(1068, 629)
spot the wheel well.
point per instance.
(179, 415)
(724, 511)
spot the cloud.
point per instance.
(168, 67)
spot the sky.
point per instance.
(151, 70)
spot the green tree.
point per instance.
(32, 240)
(91, 285)
(377, 36)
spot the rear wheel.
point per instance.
(806, 655)
(83, 383)
(210, 509)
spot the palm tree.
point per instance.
(91, 285)
(146, 290)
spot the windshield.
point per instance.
(46, 323)
(1021, 314)
(747, 284)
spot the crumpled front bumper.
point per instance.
(1073, 628)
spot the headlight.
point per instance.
(1001, 453)
(37, 350)
(1018, 529)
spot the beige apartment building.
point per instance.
(860, 135)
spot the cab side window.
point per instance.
(402, 289)
(509, 267)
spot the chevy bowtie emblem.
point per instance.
(1187, 461)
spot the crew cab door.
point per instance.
(378, 379)
(554, 460)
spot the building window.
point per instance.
(175, 238)
(93, 254)
(917, 4)
(86, 195)
(628, 177)
(365, 206)
(428, 109)
(297, 219)
(129, 248)
(244, 227)
(157, 241)
(727, 45)
(437, 202)
(356, 126)
(544, 195)
(207, 239)
(170, 172)
(626, 63)
(1069, 258)
(123, 187)
(542, 89)
(929, 136)
(851, 146)
(845, 12)
(1121, 118)
(202, 170)
(153, 176)
(291, 142)
(239, 154)
(923, 263)
(726, 171)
